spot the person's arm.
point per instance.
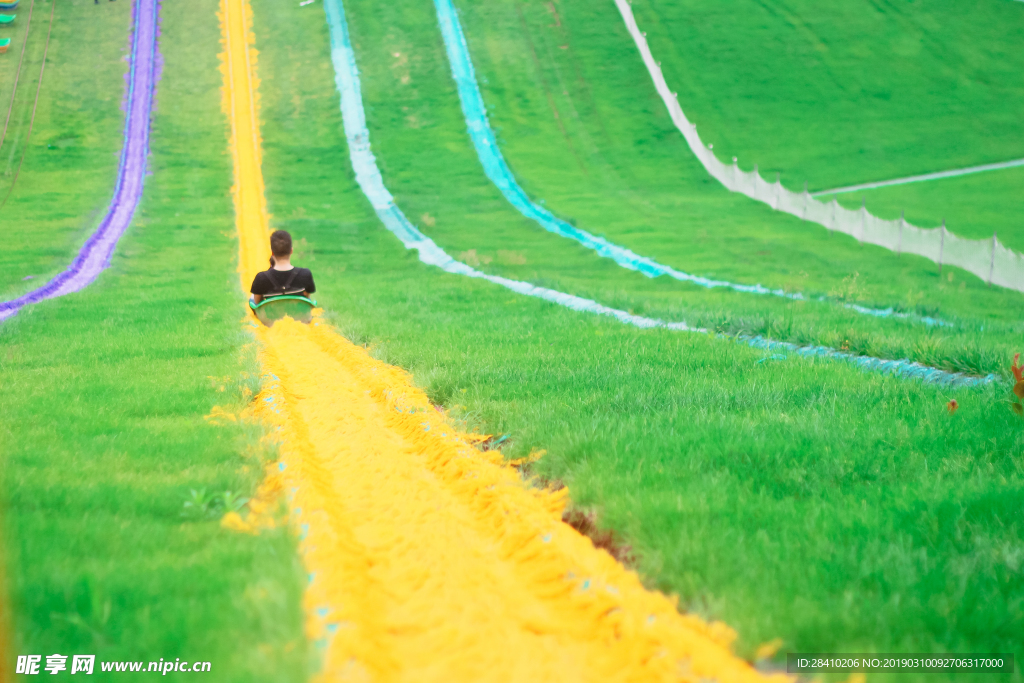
(257, 286)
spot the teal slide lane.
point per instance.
(371, 182)
(475, 112)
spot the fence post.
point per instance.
(806, 199)
(899, 247)
(992, 263)
(863, 218)
(942, 244)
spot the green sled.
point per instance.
(6, 19)
(272, 309)
(9, 5)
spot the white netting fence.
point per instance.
(986, 258)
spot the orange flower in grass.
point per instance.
(1018, 387)
(952, 406)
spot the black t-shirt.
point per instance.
(263, 285)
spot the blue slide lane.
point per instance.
(370, 181)
(489, 153)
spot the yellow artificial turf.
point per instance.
(428, 559)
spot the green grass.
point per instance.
(665, 207)
(835, 509)
(71, 159)
(838, 94)
(622, 170)
(806, 500)
(104, 435)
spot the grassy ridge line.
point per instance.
(71, 161)
(839, 95)
(635, 180)
(765, 494)
(100, 557)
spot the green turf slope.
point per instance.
(842, 93)
(837, 510)
(582, 127)
(105, 393)
(420, 138)
(70, 164)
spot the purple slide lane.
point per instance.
(95, 254)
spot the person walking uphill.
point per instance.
(282, 277)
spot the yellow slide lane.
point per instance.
(430, 560)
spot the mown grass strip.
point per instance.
(955, 173)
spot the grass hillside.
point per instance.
(104, 431)
(584, 131)
(70, 162)
(805, 500)
(844, 93)
(430, 165)
(835, 509)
